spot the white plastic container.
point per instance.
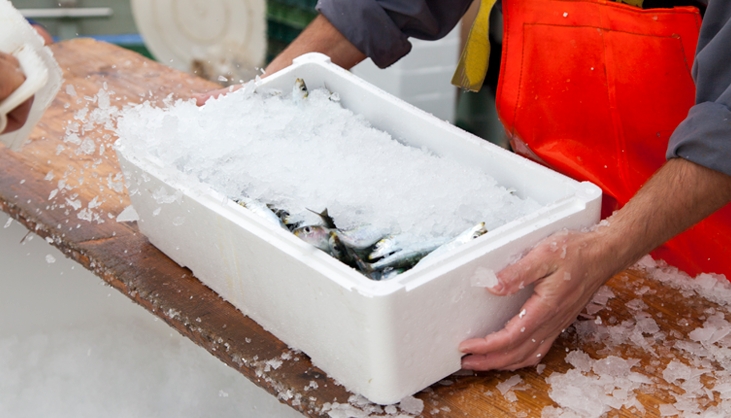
(385, 340)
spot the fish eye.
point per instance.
(307, 229)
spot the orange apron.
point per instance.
(594, 89)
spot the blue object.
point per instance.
(120, 39)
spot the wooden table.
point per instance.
(31, 193)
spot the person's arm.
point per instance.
(319, 36)
(568, 268)
(350, 30)
(11, 77)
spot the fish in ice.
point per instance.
(463, 238)
(285, 217)
(299, 91)
(394, 243)
(317, 235)
(260, 209)
(404, 258)
(407, 256)
(362, 237)
(327, 220)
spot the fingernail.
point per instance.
(468, 363)
(498, 288)
(467, 346)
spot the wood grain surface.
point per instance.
(49, 185)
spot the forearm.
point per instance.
(319, 36)
(679, 195)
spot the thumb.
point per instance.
(202, 98)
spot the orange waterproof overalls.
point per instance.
(594, 89)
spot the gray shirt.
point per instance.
(704, 137)
(381, 29)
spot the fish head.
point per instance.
(299, 92)
(479, 230)
(317, 235)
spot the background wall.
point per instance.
(121, 21)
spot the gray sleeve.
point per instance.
(381, 28)
(704, 137)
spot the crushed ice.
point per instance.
(318, 155)
(700, 366)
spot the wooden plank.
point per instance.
(50, 183)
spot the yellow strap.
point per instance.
(472, 67)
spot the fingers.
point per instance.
(566, 271)
(524, 340)
(18, 116)
(202, 98)
(531, 268)
(521, 329)
(11, 76)
(527, 358)
(47, 38)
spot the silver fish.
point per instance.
(285, 217)
(326, 219)
(342, 252)
(385, 274)
(260, 209)
(317, 235)
(463, 238)
(404, 258)
(385, 246)
(326, 239)
(395, 243)
(299, 91)
(360, 238)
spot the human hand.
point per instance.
(319, 36)
(47, 38)
(11, 77)
(202, 98)
(567, 269)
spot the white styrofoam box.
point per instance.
(43, 75)
(426, 71)
(384, 340)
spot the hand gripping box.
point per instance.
(382, 339)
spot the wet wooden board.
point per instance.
(49, 185)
